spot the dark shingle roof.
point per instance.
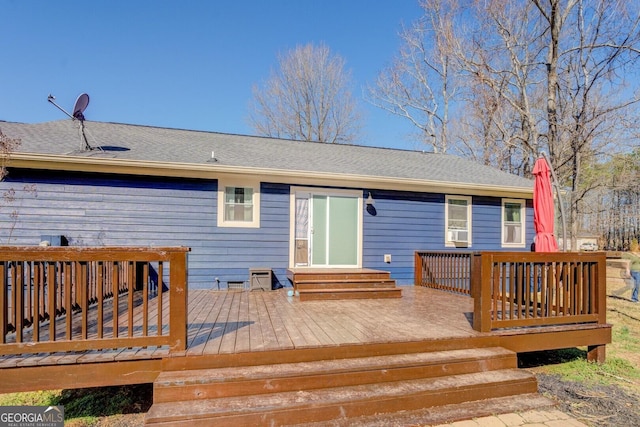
(145, 143)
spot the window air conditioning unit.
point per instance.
(459, 236)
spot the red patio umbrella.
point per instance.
(543, 213)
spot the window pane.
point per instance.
(302, 218)
(457, 214)
(512, 212)
(238, 204)
(512, 233)
(513, 226)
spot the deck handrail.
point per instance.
(520, 289)
(444, 270)
(527, 289)
(121, 297)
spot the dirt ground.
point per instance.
(595, 405)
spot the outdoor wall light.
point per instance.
(370, 201)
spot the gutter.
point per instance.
(215, 171)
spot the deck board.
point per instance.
(298, 333)
(197, 333)
(212, 345)
(272, 327)
(243, 338)
(307, 325)
(231, 325)
(199, 338)
(256, 340)
(197, 315)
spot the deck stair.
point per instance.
(318, 284)
(325, 390)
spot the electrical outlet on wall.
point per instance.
(387, 258)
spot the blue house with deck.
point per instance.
(242, 202)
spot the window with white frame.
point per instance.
(513, 223)
(239, 204)
(458, 221)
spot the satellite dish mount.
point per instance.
(78, 114)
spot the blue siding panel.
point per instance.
(142, 211)
(104, 210)
(402, 223)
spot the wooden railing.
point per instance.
(58, 299)
(445, 270)
(521, 289)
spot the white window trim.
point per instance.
(523, 221)
(247, 183)
(447, 242)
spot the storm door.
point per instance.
(327, 229)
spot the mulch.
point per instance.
(596, 405)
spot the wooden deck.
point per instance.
(257, 327)
(266, 347)
(262, 321)
(115, 316)
(240, 322)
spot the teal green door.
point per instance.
(334, 230)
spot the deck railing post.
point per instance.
(481, 291)
(601, 288)
(4, 302)
(178, 301)
(417, 269)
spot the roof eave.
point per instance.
(216, 171)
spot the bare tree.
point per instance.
(307, 98)
(7, 145)
(419, 85)
(10, 197)
(498, 58)
(531, 76)
(591, 44)
(613, 211)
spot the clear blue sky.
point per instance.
(185, 64)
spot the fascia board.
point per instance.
(215, 171)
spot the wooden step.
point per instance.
(325, 404)
(341, 284)
(332, 284)
(447, 414)
(319, 276)
(253, 380)
(349, 293)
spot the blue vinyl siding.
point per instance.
(109, 210)
(404, 222)
(104, 210)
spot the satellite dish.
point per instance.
(78, 114)
(80, 106)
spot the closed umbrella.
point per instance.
(543, 212)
